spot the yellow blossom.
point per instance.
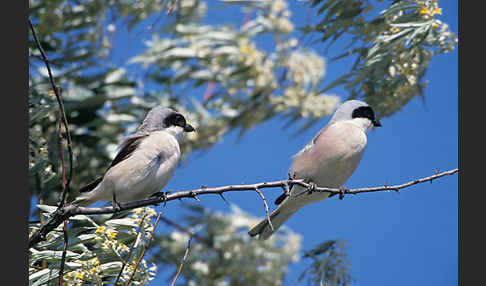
(111, 234)
(96, 261)
(122, 247)
(430, 10)
(100, 230)
(394, 30)
(424, 11)
(79, 275)
(247, 49)
(150, 212)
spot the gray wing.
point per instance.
(282, 197)
(127, 147)
(311, 143)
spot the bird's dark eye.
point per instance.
(175, 119)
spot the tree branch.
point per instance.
(129, 254)
(267, 212)
(183, 229)
(68, 211)
(64, 251)
(144, 250)
(182, 262)
(63, 118)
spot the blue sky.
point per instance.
(407, 239)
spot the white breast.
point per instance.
(333, 157)
(147, 170)
(163, 159)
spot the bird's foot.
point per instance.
(194, 196)
(161, 195)
(115, 204)
(291, 176)
(286, 188)
(312, 187)
(282, 197)
(342, 191)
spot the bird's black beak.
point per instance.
(188, 128)
(376, 123)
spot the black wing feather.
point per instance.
(282, 197)
(129, 145)
(91, 185)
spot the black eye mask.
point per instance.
(176, 119)
(366, 112)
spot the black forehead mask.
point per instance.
(364, 112)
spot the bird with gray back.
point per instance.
(327, 161)
(145, 162)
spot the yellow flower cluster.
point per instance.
(107, 238)
(262, 67)
(406, 64)
(305, 70)
(436, 24)
(95, 268)
(100, 230)
(308, 104)
(110, 233)
(429, 8)
(74, 277)
(90, 268)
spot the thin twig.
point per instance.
(61, 150)
(181, 228)
(144, 250)
(199, 238)
(63, 119)
(224, 199)
(61, 110)
(179, 271)
(64, 251)
(266, 208)
(71, 210)
(129, 254)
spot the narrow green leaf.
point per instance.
(126, 223)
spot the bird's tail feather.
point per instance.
(277, 217)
